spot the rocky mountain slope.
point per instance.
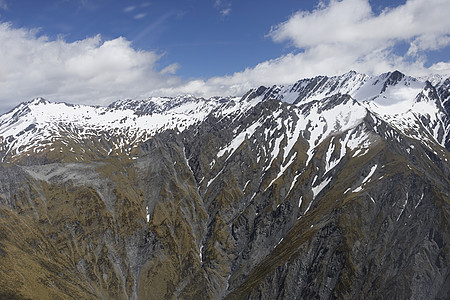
(333, 187)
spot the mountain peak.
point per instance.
(38, 100)
(392, 79)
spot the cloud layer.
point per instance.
(87, 71)
(347, 35)
(332, 39)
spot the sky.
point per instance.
(97, 51)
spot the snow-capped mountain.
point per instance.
(40, 125)
(411, 106)
(402, 101)
(332, 187)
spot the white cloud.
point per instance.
(341, 36)
(129, 8)
(140, 16)
(225, 12)
(350, 21)
(349, 29)
(170, 69)
(90, 71)
(223, 6)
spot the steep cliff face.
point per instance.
(330, 188)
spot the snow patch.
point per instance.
(366, 179)
(238, 140)
(318, 188)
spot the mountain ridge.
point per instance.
(298, 192)
(143, 118)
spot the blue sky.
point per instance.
(98, 51)
(207, 38)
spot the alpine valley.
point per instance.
(330, 188)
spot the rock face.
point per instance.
(332, 188)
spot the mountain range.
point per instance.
(329, 188)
